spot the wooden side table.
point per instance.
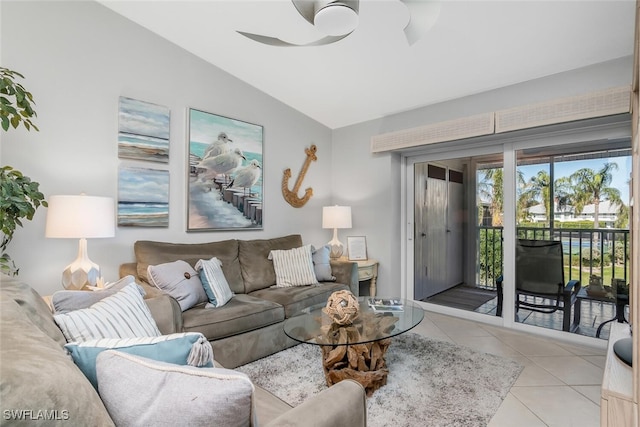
(368, 270)
(616, 395)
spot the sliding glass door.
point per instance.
(474, 214)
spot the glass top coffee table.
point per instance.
(356, 350)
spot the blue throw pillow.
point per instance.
(189, 348)
(322, 264)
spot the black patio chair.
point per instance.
(540, 284)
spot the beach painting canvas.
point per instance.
(143, 131)
(143, 197)
(225, 173)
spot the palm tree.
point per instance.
(490, 189)
(591, 186)
(539, 188)
(623, 217)
(563, 192)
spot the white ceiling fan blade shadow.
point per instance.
(422, 16)
(306, 9)
(273, 41)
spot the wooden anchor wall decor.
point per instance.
(291, 196)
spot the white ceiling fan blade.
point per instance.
(306, 9)
(272, 41)
(422, 16)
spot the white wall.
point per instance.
(372, 182)
(78, 58)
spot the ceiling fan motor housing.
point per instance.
(336, 18)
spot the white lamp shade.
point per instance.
(80, 217)
(336, 217)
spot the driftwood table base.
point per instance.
(361, 362)
(364, 363)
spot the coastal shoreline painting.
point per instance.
(143, 131)
(225, 187)
(143, 197)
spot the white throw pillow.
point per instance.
(293, 267)
(142, 392)
(66, 301)
(121, 315)
(179, 280)
(213, 281)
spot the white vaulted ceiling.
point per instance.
(474, 46)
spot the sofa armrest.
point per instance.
(347, 403)
(128, 269)
(166, 312)
(346, 272)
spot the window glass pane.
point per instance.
(577, 196)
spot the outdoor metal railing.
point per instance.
(601, 252)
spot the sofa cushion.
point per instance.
(68, 300)
(153, 253)
(242, 313)
(181, 349)
(298, 298)
(293, 267)
(122, 315)
(257, 269)
(38, 375)
(143, 392)
(213, 281)
(33, 305)
(180, 280)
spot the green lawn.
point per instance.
(584, 280)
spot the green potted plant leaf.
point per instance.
(20, 197)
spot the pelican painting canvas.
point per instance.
(225, 173)
(143, 197)
(143, 131)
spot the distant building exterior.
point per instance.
(607, 214)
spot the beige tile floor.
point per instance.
(560, 383)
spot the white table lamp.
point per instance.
(80, 217)
(336, 217)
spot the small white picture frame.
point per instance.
(357, 248)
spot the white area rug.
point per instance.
(431, 383)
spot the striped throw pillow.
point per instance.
(293, 267)
(122, 315)
(213, 281)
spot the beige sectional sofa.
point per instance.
(40, 384)
(250, 326)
